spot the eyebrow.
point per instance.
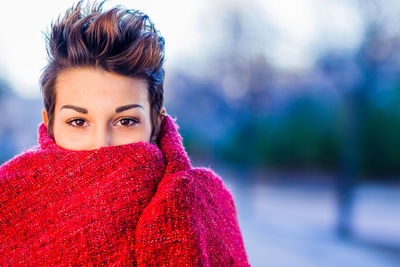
(123, 108)
(81, 110)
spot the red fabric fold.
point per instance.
(136, 204)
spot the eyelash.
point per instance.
(135, 121)
(73, 120)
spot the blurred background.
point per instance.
(295, 104)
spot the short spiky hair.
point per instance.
(118, 40)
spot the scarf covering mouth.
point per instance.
(135, 204)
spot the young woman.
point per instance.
(110, 182)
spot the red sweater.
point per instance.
(135, 204)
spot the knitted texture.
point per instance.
(136, 204)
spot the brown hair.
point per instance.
(119, 40)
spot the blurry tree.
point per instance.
(232, 95)
(368, 131)
(337, 116)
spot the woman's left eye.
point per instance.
(126, 122)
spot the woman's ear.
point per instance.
(158, 120)
(44, 115)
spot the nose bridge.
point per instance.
(102, 137)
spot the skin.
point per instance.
(96, 108)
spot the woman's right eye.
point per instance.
(77, 122)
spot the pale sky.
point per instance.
(303, 25)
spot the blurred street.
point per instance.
(292, 223)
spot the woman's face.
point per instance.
(96, 108)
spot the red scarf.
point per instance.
(136, 204)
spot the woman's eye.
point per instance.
(126, 122)
(77, 122)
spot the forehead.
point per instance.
(93, 86)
